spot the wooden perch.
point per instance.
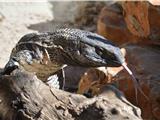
(24, 97)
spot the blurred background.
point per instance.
(134, 26)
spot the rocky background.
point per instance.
(134, 26)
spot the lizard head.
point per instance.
(101, 52)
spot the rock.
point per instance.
(111, 24)
(123, 23)
(154, 16)
(95, 81)
(117, 99)
(92, 80)
(137, 22)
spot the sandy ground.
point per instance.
(15, 21)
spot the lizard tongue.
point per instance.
(136, 84)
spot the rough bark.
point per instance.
(24, 97)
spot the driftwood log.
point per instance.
(24, 97)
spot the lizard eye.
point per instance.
(99, 51)
(104, 53)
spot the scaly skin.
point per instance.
(46, 53)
